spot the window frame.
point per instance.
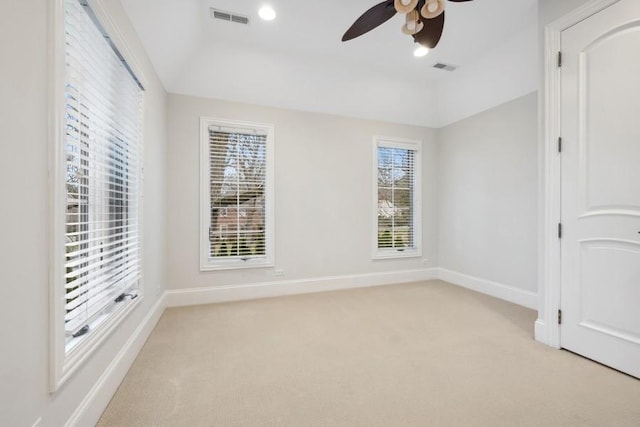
(404, 144)
(62, 363)
(268, 260)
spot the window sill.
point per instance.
(83, 347)
(235, 265)
(396, 254)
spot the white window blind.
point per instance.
(237, 189)
(397, 213)
(102, 148)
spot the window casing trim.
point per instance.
(267, 260)
(62, 363)
(404, 144)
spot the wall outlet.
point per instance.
(279, 273)
(425, 261)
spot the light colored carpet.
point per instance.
(422, 354)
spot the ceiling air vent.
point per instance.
(445, 67)
(229, 16)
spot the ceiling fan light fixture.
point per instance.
(411, 23)
(413, 16)
(432, 9)
(405, 6)
(416, 29)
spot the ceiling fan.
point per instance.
(424, 19)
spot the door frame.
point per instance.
(547, 328)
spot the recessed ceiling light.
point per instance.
(420, 51)
(267, 13)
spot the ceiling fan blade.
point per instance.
(377, 15)
(431, 33)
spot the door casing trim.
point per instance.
(547, 329)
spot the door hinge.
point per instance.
(559, 231)
(560, 145)
(559, 317)
(559, 59)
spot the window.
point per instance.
(237, 194)
(397, 198)
(97, 261)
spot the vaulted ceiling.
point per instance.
(297, 61)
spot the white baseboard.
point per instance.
(540, 332)
(544, 336)
(196, 296)
(90, 409)
(508, 293)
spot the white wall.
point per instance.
(24, 304)
(323, 210)
(305, 84)
(488, 195)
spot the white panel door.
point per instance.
(600, 246)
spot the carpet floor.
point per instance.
(420, 354)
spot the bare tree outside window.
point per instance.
(395, 197)
(237, 194)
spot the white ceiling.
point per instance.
(298, 61)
